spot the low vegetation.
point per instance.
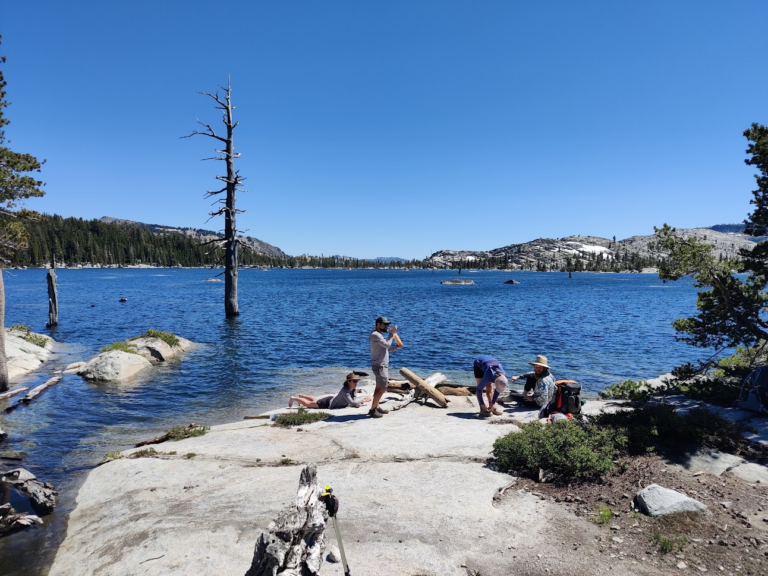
(581, 451)
(667, 545)
(627, 390)
(121, 346)
(170, 339)
(29, 336)
(302, 416)
(182, 432)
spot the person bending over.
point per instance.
(380, 349)
(345, 397)
(540, 384)
(489, 374)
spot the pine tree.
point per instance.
(16, 185)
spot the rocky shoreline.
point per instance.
(417, 497)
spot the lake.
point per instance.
(302, 330)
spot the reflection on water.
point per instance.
(303, 330)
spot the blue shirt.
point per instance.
(491, 369)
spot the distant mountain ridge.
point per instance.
(586, 252)
(258, 246)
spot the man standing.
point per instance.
(380, 349)
(540, 384)
(488, 371)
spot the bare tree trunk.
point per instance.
(3, 361)
(230, 230)
(53, 298)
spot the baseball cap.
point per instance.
(382, 320)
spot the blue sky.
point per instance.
(394, 128)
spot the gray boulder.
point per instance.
(655, 500)
(156, 350)
(114, 365)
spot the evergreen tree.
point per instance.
(16, 185)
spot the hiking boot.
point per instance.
(381, 410)
(374, 414)
(484, 414)
(497, 411)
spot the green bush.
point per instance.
(627, 390)
(564, 449)
(121, 346)
(605, 515)
(652, 426)
(302, 416)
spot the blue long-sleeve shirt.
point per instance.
(491, 369)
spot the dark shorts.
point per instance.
(478, 372)
(324, 402)
(382, 376)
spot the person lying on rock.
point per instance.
(345, 397)
(489, 374)
(539, 384)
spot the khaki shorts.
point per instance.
(382, 376)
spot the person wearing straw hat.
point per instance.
(345, 397)
(540, 384)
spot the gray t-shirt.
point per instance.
(380, 348)
(343, 399)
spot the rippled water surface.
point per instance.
(301, 330)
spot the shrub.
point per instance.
(181, 432)
(121, 346)
(166, 337)
(565, 449)
(651, 426)
(666, 545)
(627, 390)
(302, 416)
(112, 456)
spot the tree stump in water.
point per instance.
(294, 544)
(53, 298)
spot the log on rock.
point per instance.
(163, 437)
(294, 544)
(416, 393)
(454, 390)
(41, 495)
(425, 388)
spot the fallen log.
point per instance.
(41, 495)
(34, 393)
(10, 520)
(12, 393)
(163, 437)
(294, 543)
(259, 417)
(454, 390)
(415, 393)
(425, 388)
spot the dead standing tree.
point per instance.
(232, 183)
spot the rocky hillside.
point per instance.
(254, 244)
(584, 252)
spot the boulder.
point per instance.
(23, 356)
(157, 350)
(74, 368)
(655, 500)
(41, 495)
(511, 282)
(114, 365)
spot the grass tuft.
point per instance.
(121, 346)
(667, 545)
(605, 515)
(302, 416)
(29, 336)
(109, 456)
(166, 337)
(181, 432)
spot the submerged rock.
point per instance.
(458, 282)
(157, 350)
(511, 282)
(114, 365)
(41, 495)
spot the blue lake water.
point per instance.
(302, 330)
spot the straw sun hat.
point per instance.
(540, 361)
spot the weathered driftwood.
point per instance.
(10, 520)
(416, 393)
(41, 495)
(259, 417)
(163, 437)
(53, 298)
(454, 390)
(12, 393)
(425, 388)
(294, 543)
(34, 393)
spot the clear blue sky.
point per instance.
(395, 128)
